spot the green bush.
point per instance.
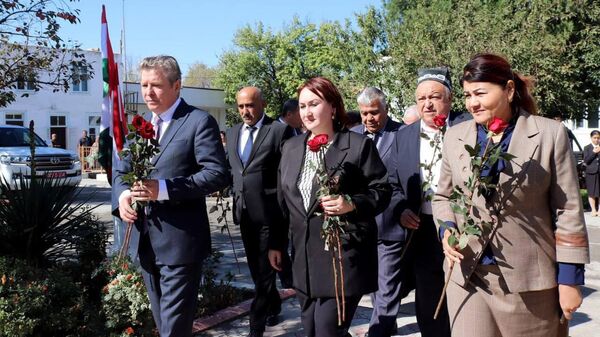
(38, 302)
(125, 302)
(41, 223)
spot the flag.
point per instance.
(113, 122)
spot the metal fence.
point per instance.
(89, 159)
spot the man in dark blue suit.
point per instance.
(412, 153)
(254, 152)
(386, 301)
(173, 236)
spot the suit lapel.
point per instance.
(294, 164)
(469, 137)
(179, 117)
(234, 148)
(387, 138)
(523, 146)
(260, 137)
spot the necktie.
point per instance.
(248, 147)
(157, 121)
(375, 138)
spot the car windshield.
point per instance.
(10, 137)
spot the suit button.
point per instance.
(472, 267)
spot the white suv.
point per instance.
(15, 158)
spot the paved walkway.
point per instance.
(586, 322)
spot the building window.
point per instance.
(58, 127)
(58, 121)
(80, 78)
(13, 119)
(25, 83)
(94, 126)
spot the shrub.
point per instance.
(37, 302)
(125, 302)
(41, 223)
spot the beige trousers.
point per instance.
(485, 308)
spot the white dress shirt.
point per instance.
(166, 116)
(426, 156)
(244, 133)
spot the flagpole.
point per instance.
(123, 46)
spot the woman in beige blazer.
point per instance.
(524, 272)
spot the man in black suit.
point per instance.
(173, 237)
(424, 258)
(290, 115)
(377, 125)
(254, 148)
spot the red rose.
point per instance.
(147, 131)
(129, 331)
(138, 122)
(497, 125)
(319, 140)
(440, 120)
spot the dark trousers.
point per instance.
(286, 275)
(172, 290)
(386, 300)
(266, 298)
(423, 265)
(319, 315)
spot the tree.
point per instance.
(556, 42)
(32, 54)
(278, 63)
(199, 75)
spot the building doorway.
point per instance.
(58, 126)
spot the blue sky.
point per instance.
(195, 30)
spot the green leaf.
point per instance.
(507, 156)
(472, 151)
(463, 241)
(452, 241)
(213, 209)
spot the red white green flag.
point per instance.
(113, 122)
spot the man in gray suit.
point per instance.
(386, 301)
(173, 237)
(254, 151)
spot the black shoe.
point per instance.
(272, 320)
(255, 333)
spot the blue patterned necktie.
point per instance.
(248, 147)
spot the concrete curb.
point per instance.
(231, 313)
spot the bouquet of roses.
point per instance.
(141, 148)
(461, 198)
(333, 225)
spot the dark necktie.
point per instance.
(248, 147)
(375, 137)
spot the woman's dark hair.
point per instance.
(496, 69)
(327, 91)
(594, 133)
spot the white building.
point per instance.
(69, 113)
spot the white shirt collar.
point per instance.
(168, 114)
(427, 128)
